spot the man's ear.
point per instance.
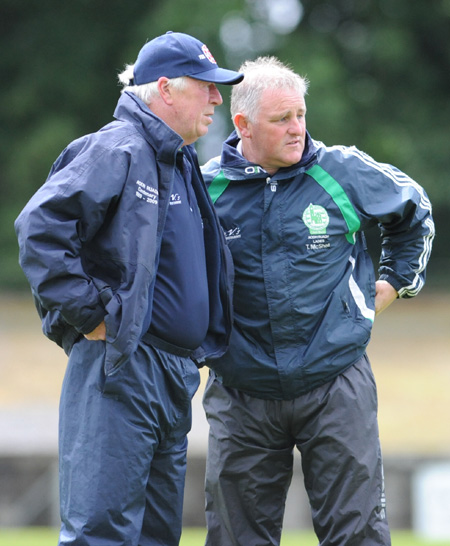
(243, 124)
(165, 90)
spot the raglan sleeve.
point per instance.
(63, 215)
(403, 211)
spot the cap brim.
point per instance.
(219, 75)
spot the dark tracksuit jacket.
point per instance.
(304, 282)
(90, 250)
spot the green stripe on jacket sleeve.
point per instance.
(337, 193)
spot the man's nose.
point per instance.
(214, 95)
(296, 126)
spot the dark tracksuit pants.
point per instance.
(123, 447)
(250, 463)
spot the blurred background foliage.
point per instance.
(379, 73)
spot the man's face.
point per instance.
(194, 107)
(276, 138)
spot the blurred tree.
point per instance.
(58, 69)
(380, 79)
(379, 72)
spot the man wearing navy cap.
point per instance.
(131, 276)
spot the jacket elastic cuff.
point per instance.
(94, 320)
(393, 282)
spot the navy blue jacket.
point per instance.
(90, 237)
(304, 281)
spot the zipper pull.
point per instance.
(273, 184)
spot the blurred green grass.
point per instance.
(42, 536)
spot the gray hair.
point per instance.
(261, 74)
(147, 91)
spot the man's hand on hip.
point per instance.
(385, 294)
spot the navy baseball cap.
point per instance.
(175, 54)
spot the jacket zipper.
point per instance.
(273, 184)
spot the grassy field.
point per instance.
(194, 537)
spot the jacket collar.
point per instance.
(164, 140)
(236, 167)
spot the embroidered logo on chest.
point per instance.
(234, 233)
(316, 220)
(175, 199)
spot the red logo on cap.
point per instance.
(208, 54)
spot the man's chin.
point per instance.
(292, 159)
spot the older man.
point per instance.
(128, 267)
(305, 298)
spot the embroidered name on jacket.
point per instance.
(146, 193)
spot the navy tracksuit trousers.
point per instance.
(123, 447)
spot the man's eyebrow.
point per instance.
(288, 111)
